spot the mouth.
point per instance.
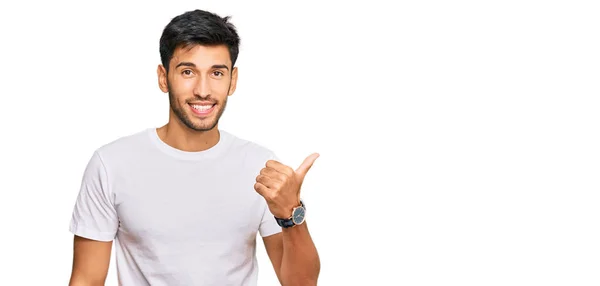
(202, 109)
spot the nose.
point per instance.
(202, 88)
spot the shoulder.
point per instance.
(248, 149)
(124, 146)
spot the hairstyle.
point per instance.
(198, 27)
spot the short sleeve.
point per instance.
(268, 225)
(94, 215)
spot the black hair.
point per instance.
(198, 27)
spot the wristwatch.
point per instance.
(297, 218)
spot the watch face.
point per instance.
(298, 215)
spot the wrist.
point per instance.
(296, 218)
(287, 212)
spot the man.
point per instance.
(184, 202)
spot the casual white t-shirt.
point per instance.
(176, 217)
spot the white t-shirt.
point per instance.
(177, 218)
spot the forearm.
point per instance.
(82, 281)
(300, 264)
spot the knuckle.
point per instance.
(284, 178)
(271, 196)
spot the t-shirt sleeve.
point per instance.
(268, 225)
(94, 215)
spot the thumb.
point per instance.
(308, 162)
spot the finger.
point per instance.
(280, 167)
(307, 164)
(268, 181)
(262, 190)
(273, 174)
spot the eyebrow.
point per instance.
(189, 64)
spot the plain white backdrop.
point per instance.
(459, 140)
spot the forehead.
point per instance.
(202, 56)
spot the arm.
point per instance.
(292, 252)
(94, 224)
(91, 259)
(294, 256)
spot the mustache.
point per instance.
(200, 98)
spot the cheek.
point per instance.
(182, 86)
(221, 87)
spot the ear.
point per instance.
(162, 78)
(234, 77)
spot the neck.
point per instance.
(179, 136)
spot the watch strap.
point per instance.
(285, 222)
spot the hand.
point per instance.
(280, 185)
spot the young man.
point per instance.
(184, 202)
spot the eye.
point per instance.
(218, 73)
(187, 72)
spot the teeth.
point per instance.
(202, 107)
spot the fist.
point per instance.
(280, 185)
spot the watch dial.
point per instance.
(298, 215)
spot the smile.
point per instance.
(202, 109)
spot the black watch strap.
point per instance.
(285, 222)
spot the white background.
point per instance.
(459, 140)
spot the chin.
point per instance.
(205, 127)
(198, 124)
